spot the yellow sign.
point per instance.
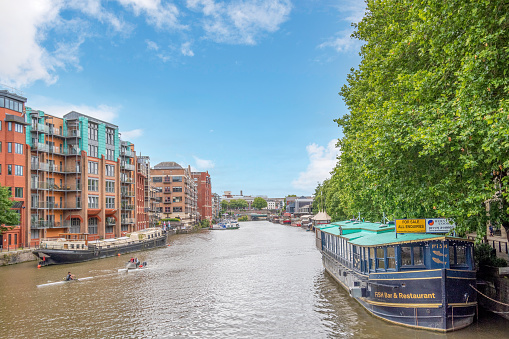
(411, 225)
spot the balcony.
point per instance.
(42, 185)
(127, 194)
(36, 127)
(126, 180)
(45, 205)
(110, 221)
(40, 147)
(127, 207)
(41, 224)
(72, 133)
(127, 221)
(127, 167)
(126, 152)
(47, 167)
(167, 201)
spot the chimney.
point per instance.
(240, 192)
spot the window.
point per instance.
(157, 179)
(93, 167)
(18, 192)
(167, 210)
(18, 128)
(177, 179)
(177, 209)
(9, 126)
(93, 201)
(406, 256)
(0, 168)
(110, 170)
(34, 234)
(110, 186)
(9, 147)
(177, 189)
(391, 258)
(93, 131)
(92, 225)
(93, 151)
(18, 170)
(177, 199)
(75, 225)
(18, 148)
(457, 255)
(110, 136)
(110, 154)
(411, 256)
(2, 102)
(418, 255)
(110, 202)
(0, 146)
(380, 258)
(93, 185)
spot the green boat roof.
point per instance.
(376, 234)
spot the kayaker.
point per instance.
(69, 276)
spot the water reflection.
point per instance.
(262, 280)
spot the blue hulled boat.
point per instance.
(413, 279)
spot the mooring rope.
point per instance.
(484, 295)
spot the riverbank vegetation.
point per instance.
(427, 134)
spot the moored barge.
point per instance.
(75, 247)
(417, 280)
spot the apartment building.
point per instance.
(216, 205)
(128, 187)
(177, 192)
(75, 171)
(14, 165)
(142, 205)
(204, 191)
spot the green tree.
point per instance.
(8, 217)
(427, 134)
(225, 205)
(259, 203)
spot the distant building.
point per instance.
(204, 191)
(299, 205)
(177, 191)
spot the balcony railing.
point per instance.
(127, 180)
(42, 185)
(126, 152)
(39, 224)
(43, 166)
(74, 150)
(73, 133)
(127, 193)
(127, 221)
(55, 205)
(127, 167)
(127, 207)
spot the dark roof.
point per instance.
(168, 165)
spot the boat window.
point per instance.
(461, 257)
(452, 255)
(371, 258)
(418, 255)
(380, 258)
(72, 246)
(391, 258)
(406, 256)
(356, 258)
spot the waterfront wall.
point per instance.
(16, 257)
(495, 287)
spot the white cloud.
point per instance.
(321, 162)
(133, 134)
(159, 15)
(241, 22)
(102, 112)
(204, 164)
(22, 59)
(151, 45)
(94, 9)
(186, 49)
(342, 42)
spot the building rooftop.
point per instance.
(167, 165)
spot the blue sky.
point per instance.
(247, 90)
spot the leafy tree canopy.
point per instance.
(8, 217)
(259, 203)
(427, 134)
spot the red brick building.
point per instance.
(204, 188)
(14, 157)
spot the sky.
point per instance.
(244, 89)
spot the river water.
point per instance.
(263, 280)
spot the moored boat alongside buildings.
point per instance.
(417, 280)
(75, 247)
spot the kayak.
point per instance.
(64, 282)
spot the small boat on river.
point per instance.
(74, 247)
(418, 280)
(226, 225)
(64, 281)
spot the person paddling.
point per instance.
(69, 276)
